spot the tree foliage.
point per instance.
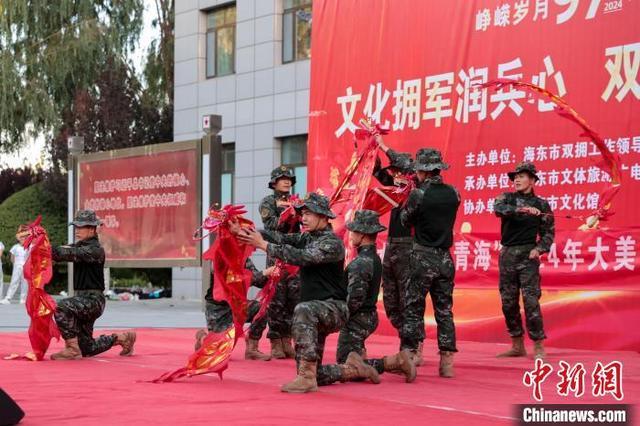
(51, 52)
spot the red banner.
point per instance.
(149, 204)
(417, 68)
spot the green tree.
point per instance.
(51, 52)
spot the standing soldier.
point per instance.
(323, 307)
(219, 316)
(396, 269)
(76, 315)
(280, 311)
(431, 210)
(527, 232)
(363, 275)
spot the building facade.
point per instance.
(248, 61)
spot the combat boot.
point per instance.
(126, 340)
(287, 348)
(71, 351)
(538, 350)
(277, 351)
(253, 353)
(416, 355)
(305, 381)
(200, 335)
(355, 368)
(517, 348)
(401, 363)
(446, 364)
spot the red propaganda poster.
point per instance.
(400, 63)
(148, 203)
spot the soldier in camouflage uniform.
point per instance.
(323, 308)
(431, 210)
(219, 316)
(395, 264)
(287, 295)
(527, 232)
(363, 275)
(76, 315)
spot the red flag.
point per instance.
(382, 199)
(353, 188)
(40, 305)
(212, 357)
(291, 218)
(231, 281)
(266, 294)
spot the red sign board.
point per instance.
(149, 205)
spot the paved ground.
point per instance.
(164, 313)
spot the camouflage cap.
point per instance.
(366, 222)
(429, 159)
(281, 172)
(403, 163)
(86, 218)
(317, 203)
(525, 166)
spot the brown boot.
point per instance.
(401, 363)
(277, 351)
(126, 340)
(355, 368)
(416, 356)
(252, 351)
(200, 335)
(517, 348)
(305, 381)
(71, 351)
(287, 348)
(446, 364)
(538, 350)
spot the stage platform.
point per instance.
(113, 390)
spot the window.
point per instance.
(221, 41)
(294, 155)
(296, 30)
(227, 172)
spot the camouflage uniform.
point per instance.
(75, 316)
(363, 275)
(396, 268)
(320, 255)
(518, 273)
(287, 295)
(218, 313)
(431, 210)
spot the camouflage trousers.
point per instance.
(313, 321)
(219, 317)
(353, 335)
(396, 271)
(432, 273)
(75, 317)
(280, 311)
(351, 339)
(519, 274)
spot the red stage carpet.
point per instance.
(109, 389)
